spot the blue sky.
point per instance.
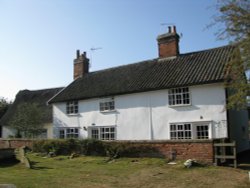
(39, 39)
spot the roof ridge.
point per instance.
(208, 49)
(156, 59)
(120, 66)
(34, 90)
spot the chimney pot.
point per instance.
(174, 29)
(169, 29)
(77, 54)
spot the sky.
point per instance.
(39, 38)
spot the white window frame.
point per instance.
(72, 107)
(102, 132)
(69, 132)
(178, 129)
(193, 130)
(179, 96)
(107, 105)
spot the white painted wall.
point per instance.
(146, 116)
(7, 132)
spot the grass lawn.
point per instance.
(60, 172)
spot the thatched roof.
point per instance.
(39, 97)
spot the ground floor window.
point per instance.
(202, 132)
(43, 134)
(102, 133)
(69, 133)
(180, 131)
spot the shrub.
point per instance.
(95, 148)
(59, 147)
(127, 149)
(92, 147)
(68, 146)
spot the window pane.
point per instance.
(107, 105)
(103, 133)
(72, 107)
(178, 96)
(183, 131)
(202, 132)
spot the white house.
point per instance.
(40, 97)
(175, 96)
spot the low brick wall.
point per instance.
(200, 150)
(15, 143)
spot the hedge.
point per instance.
(94, 147)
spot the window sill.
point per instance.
(108, 111)
(73, 114)
(179, 105)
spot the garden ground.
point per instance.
(87, 172)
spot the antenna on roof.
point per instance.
(169, 25)
(91, 52)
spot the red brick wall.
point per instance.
(15, 143)
(168, 49)
(200, 150)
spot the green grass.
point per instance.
(125, 172)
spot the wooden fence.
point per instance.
(224, 151)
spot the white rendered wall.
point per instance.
(146, 116)
(7, 132)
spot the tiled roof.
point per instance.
(187, 69)
(39, 97)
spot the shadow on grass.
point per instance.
(34, 167)
(8, 162)
(40, 168)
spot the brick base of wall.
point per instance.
(15, 143)
(200, 150)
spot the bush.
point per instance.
(92, 147)
(126, 149)
(95, 148)
(59, 147)
(68, 146)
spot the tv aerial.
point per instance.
(92, 50)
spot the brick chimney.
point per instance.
(81, 64)
(168, 43)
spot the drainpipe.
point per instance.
(228, 117)
(151, 131)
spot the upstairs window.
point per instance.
(72, 107)
(107, 105)
(179, 96)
